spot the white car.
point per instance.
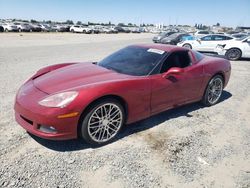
(201, 33)
(9, 27)
(80, 29)
(235, 49)
(207, 43)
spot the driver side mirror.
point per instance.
(248, 40)
(172, 71)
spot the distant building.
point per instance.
(245, 29)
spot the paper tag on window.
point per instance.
(153, 50)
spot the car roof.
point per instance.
(163, 47)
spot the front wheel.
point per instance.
(102, 122)
(233, 54)
(213, 91)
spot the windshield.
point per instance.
(132, 60)
(163, 34)
(174, 35)
(242, 38)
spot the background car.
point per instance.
(23, 27)
(76, 29)
(44, 27)
(9, 27)
(122, 29)
(235, 49)
(201, 33)
(35, 28)
(174, 38)
(240, 35)
(58, 28)
(162, 35)
(206, 43)
(1, 29)
(94, 100)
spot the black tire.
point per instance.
(206, 100)
(186, 45)
(19, 30)
(233, 54)
(85, 122)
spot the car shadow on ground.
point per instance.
(79, 144)
(244, 59)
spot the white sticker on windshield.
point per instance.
(156, 51)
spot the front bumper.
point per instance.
(31, 116)
(220, 51)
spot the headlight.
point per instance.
(59, 100)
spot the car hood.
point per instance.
(75, 76)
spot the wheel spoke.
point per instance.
(114, 117)
(114, 112)
(214, 90)
(112, 129)
(95, 132)
(95, 126)
(95, 115)
(105, 122)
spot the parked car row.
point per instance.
(29, 27)
(232, 46)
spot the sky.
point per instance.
(230, 13)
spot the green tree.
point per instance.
(121, 24)
(69, 22)
(33, 21)
(78, 23)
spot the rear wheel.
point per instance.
(102, 122)
(187, 46)
(213, 91)
(233, 54)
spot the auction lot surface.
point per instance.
(190, 146)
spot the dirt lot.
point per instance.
(190, 146)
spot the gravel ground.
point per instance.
(191, 146)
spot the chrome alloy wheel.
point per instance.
(105, 122)
(214, 90)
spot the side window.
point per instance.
(207, 38)
(179, 59)
(219, 37)
(228, 38)
(204, 32)
(198, 55)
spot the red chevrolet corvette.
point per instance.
(94, 100)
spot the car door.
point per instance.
(177, 83)
(218, 39)
(204, 43)
(246, 47)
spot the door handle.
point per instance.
(171, 78)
